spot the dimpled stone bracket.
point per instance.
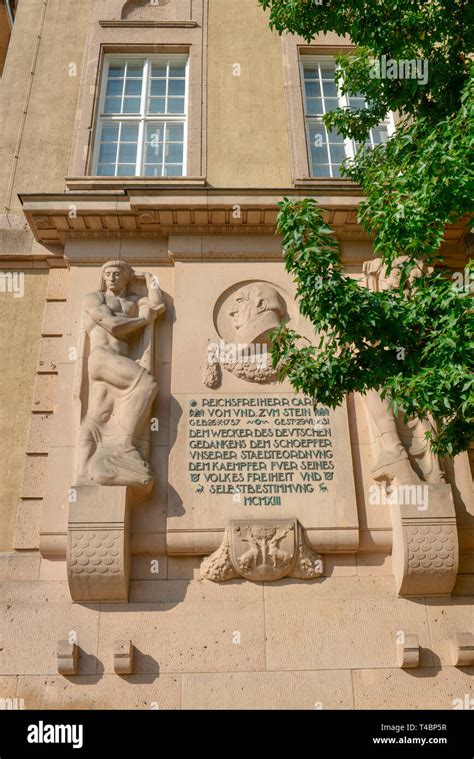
(98, 554)
(425, 545)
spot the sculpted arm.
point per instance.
(118, 326)
(153, 301)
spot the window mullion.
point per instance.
(165, 129)
(119, 140)
(141, 124)
(323, 102)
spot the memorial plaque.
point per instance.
(243, 445)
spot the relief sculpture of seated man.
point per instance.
(119, 321)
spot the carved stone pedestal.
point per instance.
(425, 544)
(98, 554)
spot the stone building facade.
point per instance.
(176, 531)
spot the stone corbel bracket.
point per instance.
(408, 652)
(67, 657)
(425, 545)
(123, 657)
(262, 551)
(462, 649)
(98, 553)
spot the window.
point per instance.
(327, 149)
(142, 121)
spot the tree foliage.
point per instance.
(415, 344)
(415, 185)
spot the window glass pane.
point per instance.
(338, 153)
(319, 154)
(106, 170)
(330, 89)
(175, 105)
(328, 70)
(321, 170)
(313, 89)
(158, 69)
(314, 107)
(174, 152)
(131, 105)
(155, 132)
(116, 70)
(158, 87)
(175, 133)
(178, 70)
(379, 134)
(311, 72)
(153, 171)
(128, 152)
(108, 152)
(134, 70)
(331, 104)
(173, 171)
(336, 171)
(112, 105)
(129, 133)
(318, 144)
(109, 133)
(154, 149)
(154, 153)
(176, 86)
(335, 137)
(133, 87)
(126, 170)
(156, 105)
(114, 87)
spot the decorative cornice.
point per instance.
(97, 209)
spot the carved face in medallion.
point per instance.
(255, 310)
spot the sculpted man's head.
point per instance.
(116, 275)
(256, 310)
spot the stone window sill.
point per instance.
(124, 183)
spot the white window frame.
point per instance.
(343, 102)
(141, 118)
